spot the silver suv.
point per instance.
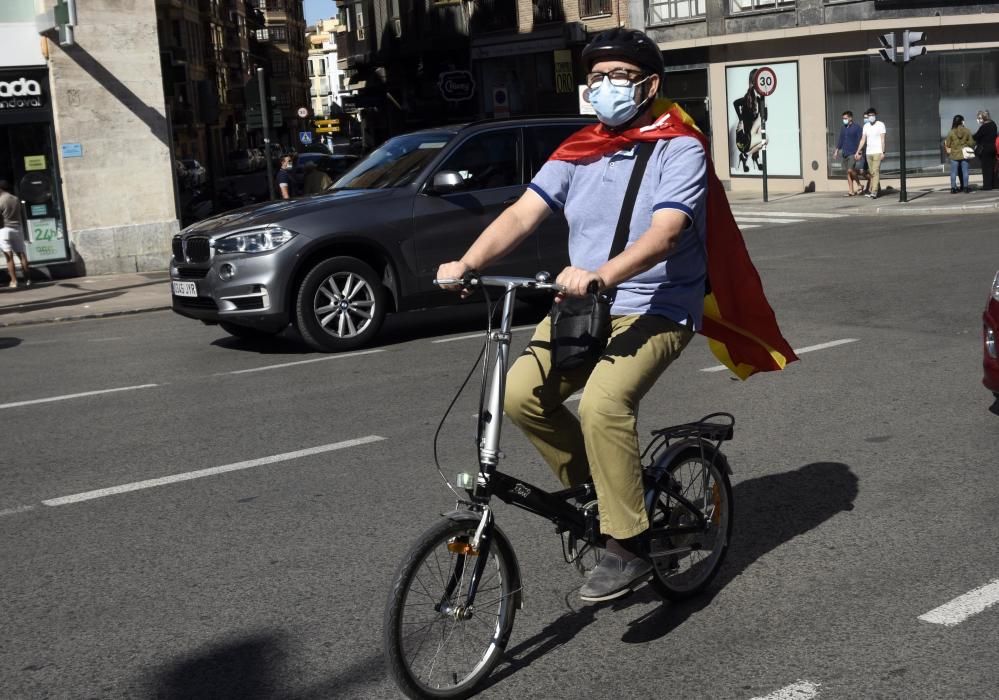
(335, 263)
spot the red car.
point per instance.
(990, 333)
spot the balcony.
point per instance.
(674, 11)
(494, 16)
(548, 11)
(594, 8)
(736, 6)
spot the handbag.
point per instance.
(968, 152)
(580, 326)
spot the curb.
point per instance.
(80, 317)
(902, 210)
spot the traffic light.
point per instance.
(888, 52)
(909, 48)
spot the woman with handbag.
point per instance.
(985, 148)
(959, 144)
(634, 189)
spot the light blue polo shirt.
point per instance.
(591, 195)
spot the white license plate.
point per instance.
(185, 289)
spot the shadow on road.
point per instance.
(9, 343)
(254, 667)
(769, 511)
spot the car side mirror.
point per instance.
(446, 182)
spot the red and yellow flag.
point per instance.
(739, 324)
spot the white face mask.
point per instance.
(871, 120)
(845, 122)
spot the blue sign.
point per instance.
(72, 150)
(305, 137)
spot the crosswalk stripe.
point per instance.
(802, 690)
(745, 226)
(963, 607)
(807, 215)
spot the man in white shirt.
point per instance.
(874, 139)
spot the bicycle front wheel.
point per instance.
(691, 524)
(437, 645)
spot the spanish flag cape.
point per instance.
(738, 322)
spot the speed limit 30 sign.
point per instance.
(765, 82)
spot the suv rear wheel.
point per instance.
(340, 305)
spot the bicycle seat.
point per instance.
(704, 428)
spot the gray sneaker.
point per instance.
(611, 578)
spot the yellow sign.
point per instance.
(34, 162)
(563, 71)
(327, 126)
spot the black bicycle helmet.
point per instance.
(623, 44)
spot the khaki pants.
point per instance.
(604, 439)
(874, 163)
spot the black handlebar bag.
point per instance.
(581, 325)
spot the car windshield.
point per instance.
(395, 163)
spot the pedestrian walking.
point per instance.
(284, 179)
(11, 237)
(958, 142)
(873, 144)
(985, 148)
(316, 181)
(846, 147)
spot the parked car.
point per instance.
(990, 332)
(241, 161)
(196, 173)
(334, 166)
(333, 265)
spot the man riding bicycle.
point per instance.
(659, 278)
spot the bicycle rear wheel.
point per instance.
(437, 646)
(691, 524)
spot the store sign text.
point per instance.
(20, 94)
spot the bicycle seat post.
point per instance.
(493, 419)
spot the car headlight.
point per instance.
(260, 240)
(995, 287)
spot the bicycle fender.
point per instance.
(503, 542)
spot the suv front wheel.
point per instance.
(340, 305)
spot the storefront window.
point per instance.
(937, 87)
(17, 11)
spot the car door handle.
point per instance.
(507, 202)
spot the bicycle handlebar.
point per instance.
(472, 279)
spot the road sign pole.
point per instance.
(265, 118)
(902, 195)
(763, 135)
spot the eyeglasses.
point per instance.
(619, 77)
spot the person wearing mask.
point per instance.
(985, 148)
(285, 182)
(958, 139)
(847, 146)
(11, 238)
(659, 277)
(875, 141)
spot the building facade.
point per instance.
(824, 54)
(84, 137)
(324, 88)
(283, 38)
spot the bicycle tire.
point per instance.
(678, 574)
(412, 594)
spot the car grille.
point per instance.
(178, 249)
(192, 273)
(196, 302)
(197, 250)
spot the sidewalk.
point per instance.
(921, 201)
(114, 295)
(83, 297)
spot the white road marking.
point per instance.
(802, 690)
(76, 396)
(201, 473)
(745, 226)
(480, 335)
(807, 215)
(963, 607)
(305, 362)
(799, 351)
(105, 340)
(767, 220)
(15, 510)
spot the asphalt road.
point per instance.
(865, 496)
